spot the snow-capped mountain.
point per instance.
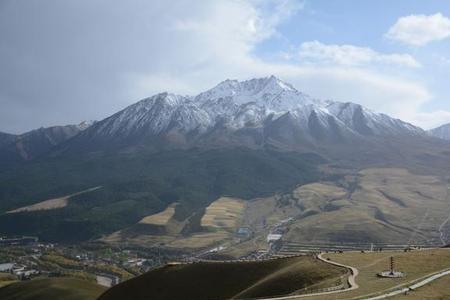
(264, 108)
(442, 132)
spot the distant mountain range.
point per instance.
(246, 139)
(248, 113)
(442, 132)
(29, 145)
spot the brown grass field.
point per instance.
(436, 290)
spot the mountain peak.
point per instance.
(276, 82)
(234, 105)
(269, 92)
(255, 86)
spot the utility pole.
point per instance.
(392, 265)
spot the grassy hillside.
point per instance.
(376, 205)
(415, 265)
(226, 280)
(139, 184)
(52, 288)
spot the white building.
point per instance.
(274, 237)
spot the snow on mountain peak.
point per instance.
(268, 92)
(237, 104)
(251, 87)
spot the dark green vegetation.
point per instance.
(137, 184)
(239, 280)
(52, 288)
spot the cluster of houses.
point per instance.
(22, 272)
(274, 238)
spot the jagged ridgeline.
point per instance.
(244, 139)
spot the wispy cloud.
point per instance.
(349, 55)
(419, 30)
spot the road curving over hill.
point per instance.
(228, 280)
(351, 283)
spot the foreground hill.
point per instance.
(52, 288)
(232, 280)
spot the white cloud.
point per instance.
(212, 49)
(349, 55)
(419, 30)
(218, 49)
(185, 48)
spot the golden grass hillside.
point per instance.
(233, 280)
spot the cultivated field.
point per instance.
(161, 218)
(215, 225)
(224, 213)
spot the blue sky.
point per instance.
(68, 61)
(365, 24)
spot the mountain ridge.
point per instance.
(33, 143)
(244, 112)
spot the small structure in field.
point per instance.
(391, 273)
